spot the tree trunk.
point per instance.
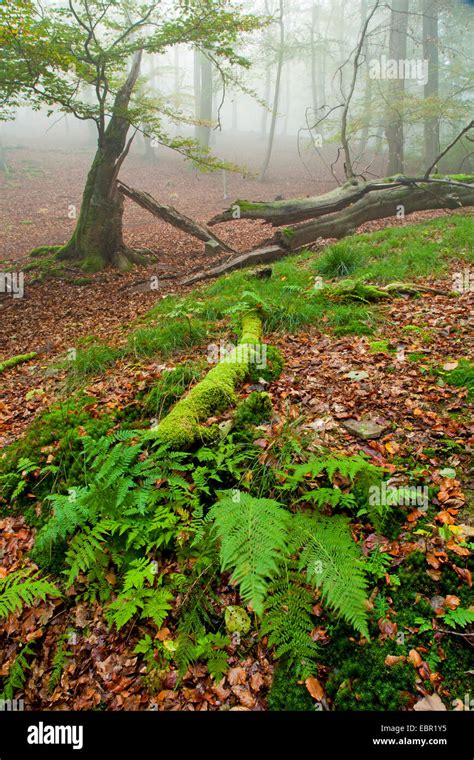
(276, 98)
(397, 52)
(279, 213)
(377, 204)
(314, 76)
(430, 54)
(203, 131)
(97, 240)
(268, 84)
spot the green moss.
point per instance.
(274, 363)
(18, 359)
(254, 410)
(45, 250)
(360, 680)
(380, 347)
(92, 264)
(182, 427)
(286, 694)
(462, 376)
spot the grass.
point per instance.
(290, 299)
(401, 253)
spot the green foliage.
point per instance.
(459, 618)
(274, 363)
(253, 537)
(18, 672)
(350, 467)
(288, 622)
(61, 432)
(90, 361)
(256, 536)
(254, 410)
(170, 387)
(23, 587)
(340, 260)
(120, 512)
(332, 563)
(60, 659)
(166, 339)
(141, 593)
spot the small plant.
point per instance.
(23, 587)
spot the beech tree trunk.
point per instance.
(276, 98)
(397, 52)
(97, 240)
(431, 54)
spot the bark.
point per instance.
(174, 217)
(263, 255)
(431, 54)
(97, 240)
(397, 52)
(266, 97)
(349, 207)
(376, 205)
(203, 131)
(314, 76)
(276, 98)
(279, 213)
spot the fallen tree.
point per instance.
(294, 210)
(176, 218)
(183, 425)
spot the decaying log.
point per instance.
(258, 256)
(176, 218)
(402, 200)
(281, 212)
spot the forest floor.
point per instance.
(403, 366)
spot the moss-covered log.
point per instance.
(400, 200)
(182, 427)
(356, 290)
(18, 359)
(293, 210)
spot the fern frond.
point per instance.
(253, 538)
(459, 618)
(23, 587)
(288, 622)
(331, 560)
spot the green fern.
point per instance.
(332, 563)
(459, 618)
(346, 466)
(17, 674)
(140, 594)
(288, 622)
(60, 658)
(253, 538)
(23, 587)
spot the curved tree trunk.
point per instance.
(97, 240)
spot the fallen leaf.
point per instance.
(314, 688)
